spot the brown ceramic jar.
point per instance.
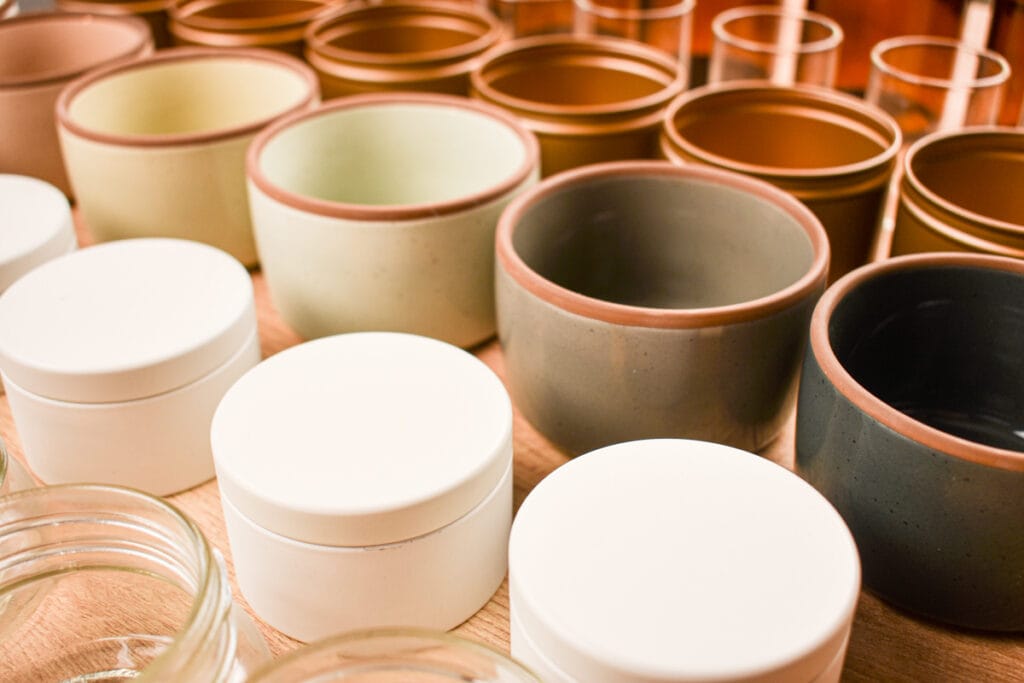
(153, 12)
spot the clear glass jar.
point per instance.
(100, 583)
(395, 656)
(13, 476)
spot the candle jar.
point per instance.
(107, 583)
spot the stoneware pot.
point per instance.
(153, 12)
(640, 300)
(378, 211)
(273, 24)
(960, 191)
(156, 146)
(832, 151)
(39, 55)
(423, 45)
(588, 99)
(910, 421)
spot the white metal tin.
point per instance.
(675, 560)
(366, 481)
(116, 356)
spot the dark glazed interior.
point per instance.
(662, 242)
(942, 345)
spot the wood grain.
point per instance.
(886, 644)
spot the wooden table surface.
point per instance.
(886, 645)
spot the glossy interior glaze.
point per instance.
(941, 345)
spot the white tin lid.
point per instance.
(35, 225)
(362, 439)
(124, 320)
(675, 560)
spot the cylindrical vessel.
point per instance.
(39, 55)
(374, 468)
(273, 24)
(13, 476)
(640, 300)
(419, 45)
(664, 24)
(670, 560)
(378, 211)
(395, 654)
(960, 191)
(909, 420)
(832, 151)
(114, 358)
(587, 99)
(153, 12)
(105, 583)
(156, 147)
(35, 226)
(534, 17)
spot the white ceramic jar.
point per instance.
(115, 357)
(676, 560)
(366, 481)
(35, 226)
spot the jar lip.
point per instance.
(831, 41)
(189, 13)
(1001, 75)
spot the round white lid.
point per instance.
(124, 320)
(35, 225)
(675, 560)
(362, 439)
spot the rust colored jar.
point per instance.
(154, 12)
(834, 152)
(588, 99)
(273, 24)
(960, 191)
(419, 45)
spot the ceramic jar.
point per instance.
(114, 358)
(640, 300)
(402, 45)
(588, 99)
(153, 12)
(832, 151)
(378, 211)
(40, 54)
(366, 481)
(675, 560)
(35, 226)
(170, 133)
(909, 422)
(960, 191)
(272, 24)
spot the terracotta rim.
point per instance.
(833, 40)
(143, 42)
(115, 7)
(808, 97)
(321, 32)
(969, 241)
(880, 48)
(185, 54)
(973, 137)
(641, 316)
(235, 39)
(871, 405)
(371, 212)
(188, 13)
(536, 51)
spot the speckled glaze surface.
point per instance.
(696, 343)
(909, 422)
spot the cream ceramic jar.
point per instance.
(115, 357)
(675, 560)
(366, 481)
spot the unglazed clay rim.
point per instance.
(803, 95)
(372, 212)
(317, 43)
(881, 66)
(138, 26)
(954, 137)
(115, 8)
(666, 318)
(578, 48)
(833, 40)
(184, 12)
(870, 404)
(186, 54)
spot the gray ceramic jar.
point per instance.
(640, 300)
(910, 420)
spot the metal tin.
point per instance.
(154, 12)
(422, 45)
(273, 24)
(588, 99)
(960, 191)
(832, 151)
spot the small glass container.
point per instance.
(13, 476)
(399, 655)
(103, 583)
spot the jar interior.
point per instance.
(662, 242)
(393, 155)
(941, 345)
(579, 82)
(255, 9)
(389, 37)
(57, 46)
(185, 96)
